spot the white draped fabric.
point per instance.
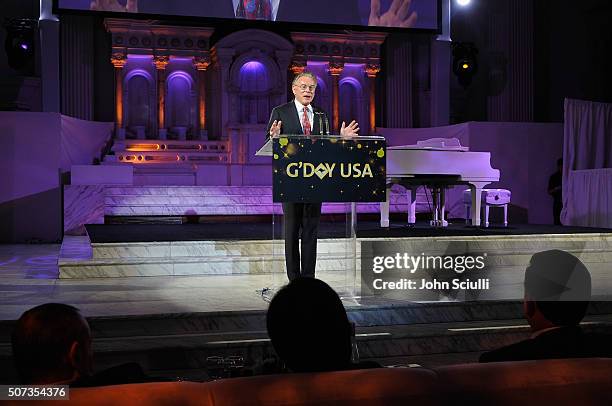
(587, 164)
(82, 141)
(589, 200)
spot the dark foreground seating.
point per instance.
(578, 381)
(556, 382)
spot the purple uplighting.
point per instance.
(253, 66)
(24, 46)
(253, 76)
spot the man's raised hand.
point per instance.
(397, 16)
(349, 131)
(275, 129)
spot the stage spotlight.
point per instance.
(465, 63)
(19, 42)
(463, 3)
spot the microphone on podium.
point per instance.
(321, 128)
(318, 113)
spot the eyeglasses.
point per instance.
(305, 87)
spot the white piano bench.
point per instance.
(489, 198)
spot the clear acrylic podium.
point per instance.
(337, 249)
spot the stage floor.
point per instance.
(29, 276)
(170, 324)
(29, 273)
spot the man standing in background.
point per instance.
(555, 189)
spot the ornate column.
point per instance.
(223, 60)
(371, 70)
(297, 66)
(119, 60)
(335, 69)
(201, 64)
(160, 62)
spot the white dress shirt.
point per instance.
(300, 109)
(274, 4)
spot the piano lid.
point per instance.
(437, 144)
(468, 165)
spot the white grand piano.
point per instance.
(437, 163)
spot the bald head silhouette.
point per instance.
(559, 285)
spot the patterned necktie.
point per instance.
(306, 122)
(254, 9)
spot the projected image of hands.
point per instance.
(398, 15)
(126, 6)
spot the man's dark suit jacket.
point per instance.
(563, 342)
(291, 121)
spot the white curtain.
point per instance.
(587, 164)
(82, 141)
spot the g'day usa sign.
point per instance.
(328, 169)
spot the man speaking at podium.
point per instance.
(298, 117)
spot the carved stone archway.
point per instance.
(229, 55)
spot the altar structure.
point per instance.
(180, 100)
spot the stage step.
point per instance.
(222, 200)
(91, 204)
(430, 334)
(506, 258)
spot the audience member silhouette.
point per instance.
(52, 345)
(309, 328)
(557, 294)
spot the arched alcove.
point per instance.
(253, 77)
(253, 89)
(251, 66)
(139, 107)
(351, 94)
(180, 101)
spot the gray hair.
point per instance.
(304, 74)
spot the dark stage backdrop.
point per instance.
(412, 14)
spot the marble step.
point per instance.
(212, 249)
(191, 210)
(203, 190)
(497, 247)
(188, 352)
(240, 209)
(507, 280)
(370, 312)
(215, 200)
(506, 258)
(428, 334)
(188, 190)
(185, 266)
(220, 200)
